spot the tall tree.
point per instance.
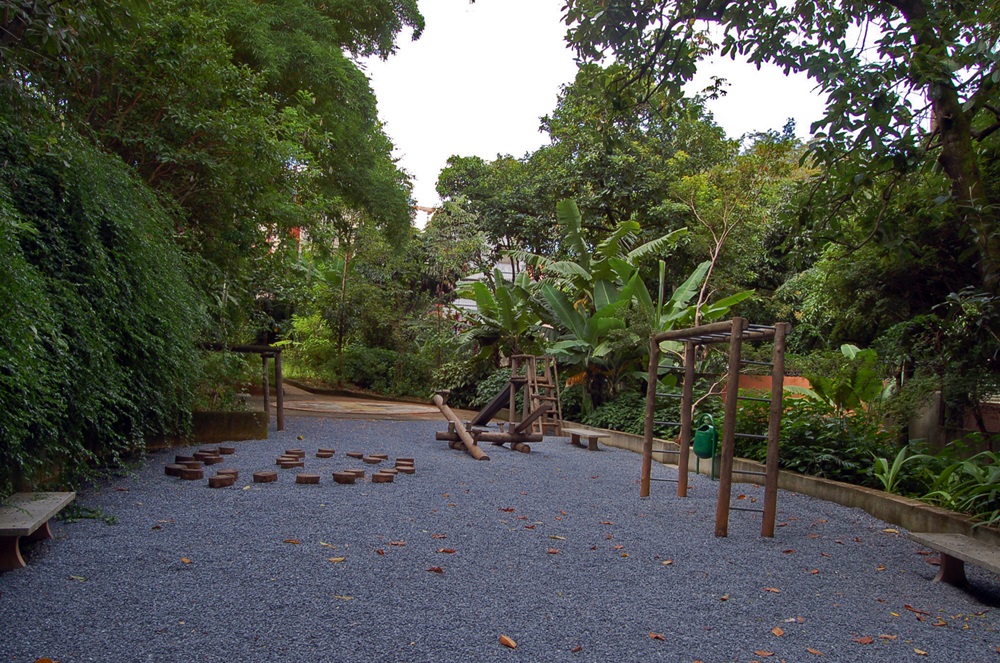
(909, 83)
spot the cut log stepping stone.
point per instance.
(344, 477)
(211, 451)
(372, 460)
(173, 470)
(382, 477)
(358, 474)
(193, 464)
(265, 477)
(324, 453)
(183, 459)
(299, 453)
(289, 464)
(405, 461)
(229, 472)
(355, 454)
(213, 460)
(221, 481)
(192, 474)
(306, 478)
(390, 470)
(380, 456)
(406, 469)
(227, 451)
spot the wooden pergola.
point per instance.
(266, 352)
(734, 332)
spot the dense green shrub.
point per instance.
(99, 319)
(387, 371)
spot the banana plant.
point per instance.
(505, 321)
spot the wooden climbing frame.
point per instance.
(734, 332)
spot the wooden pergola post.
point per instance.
(729, 432)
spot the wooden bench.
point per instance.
(592, 436)
(956, 550)
(27, 515)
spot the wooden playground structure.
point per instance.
(733, 332)
(537, 379)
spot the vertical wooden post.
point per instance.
(774, 430)
(729, 433)
(267, 390)
(647, 439)
(279, 386)
(687, 401)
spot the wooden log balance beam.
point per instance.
(464, 437)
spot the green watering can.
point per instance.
(706, 437)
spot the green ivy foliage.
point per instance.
(99, 319)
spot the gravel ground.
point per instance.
(554, 550)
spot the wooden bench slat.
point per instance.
(23, 513)
(585, 433)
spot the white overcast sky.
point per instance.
(481, 76)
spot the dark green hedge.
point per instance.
(98, 318)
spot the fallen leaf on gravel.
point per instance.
(667, 562)
(507, 642)
(577, 649)
(447, 551)
(618, 547)
(45, 660)
(552, 551)
(812, 536)
(890, 530)
(763, 653)
(335, 560)
(439, 536)
(814, 571)
(327, 545)
(777, 631)
(814, 652)
(773, 590)
(185, 560)
(865, 640)
(248, 486)
(880, 567)
(344, 598)
(292, 541)
(912, 609)
(607, 522)
(894, 614)
(919, 652)
(398, 544)
(624, 554)
(940, 622)
(657, 636)
(724, 597)
(436, 569)
(529, 527)
(607, 537)
(887, 637)
(788, 552)
(78, 578)
(824, 554)
(508, 509)
(156, 527)
(380, 551)
(557, 537)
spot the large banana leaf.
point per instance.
(563, 309)
(569, 218)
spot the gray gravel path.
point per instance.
(554, 549)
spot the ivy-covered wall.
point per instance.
(97, 317)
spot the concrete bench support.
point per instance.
(27, 515)
(956, 550)
(578, 434)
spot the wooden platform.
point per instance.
(592, 436)
(27, 515)
(956, 550)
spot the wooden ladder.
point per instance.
(543, 387)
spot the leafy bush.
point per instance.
(386, 371)
(99, 319)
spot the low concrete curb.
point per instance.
(906, 512)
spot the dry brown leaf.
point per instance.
(553, 551)
(667, 562)
(557, 537)
(890, 530)
(777, 631)
(380, 551)
(919, 652)
(788, 552)
(940, 622)
(763, 653)
(335, 560)
(724, 597)
(439, 536)
(618, 547)
(912, 609)
(887, 637)
(436, 569)
(185, 560)
(880, 567)
(343, 598)
(657, 636)
(624, 554)
(577, 649)
(156, 527)
(327, 545)
(814, 652)
(864, 640)
(814, 571)
(773, 590)
(824, 554)
(508, 642)
(508, 509)
(294, 542)
(607, 522)
(529, 527)
(447, 551)
(398, 544)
